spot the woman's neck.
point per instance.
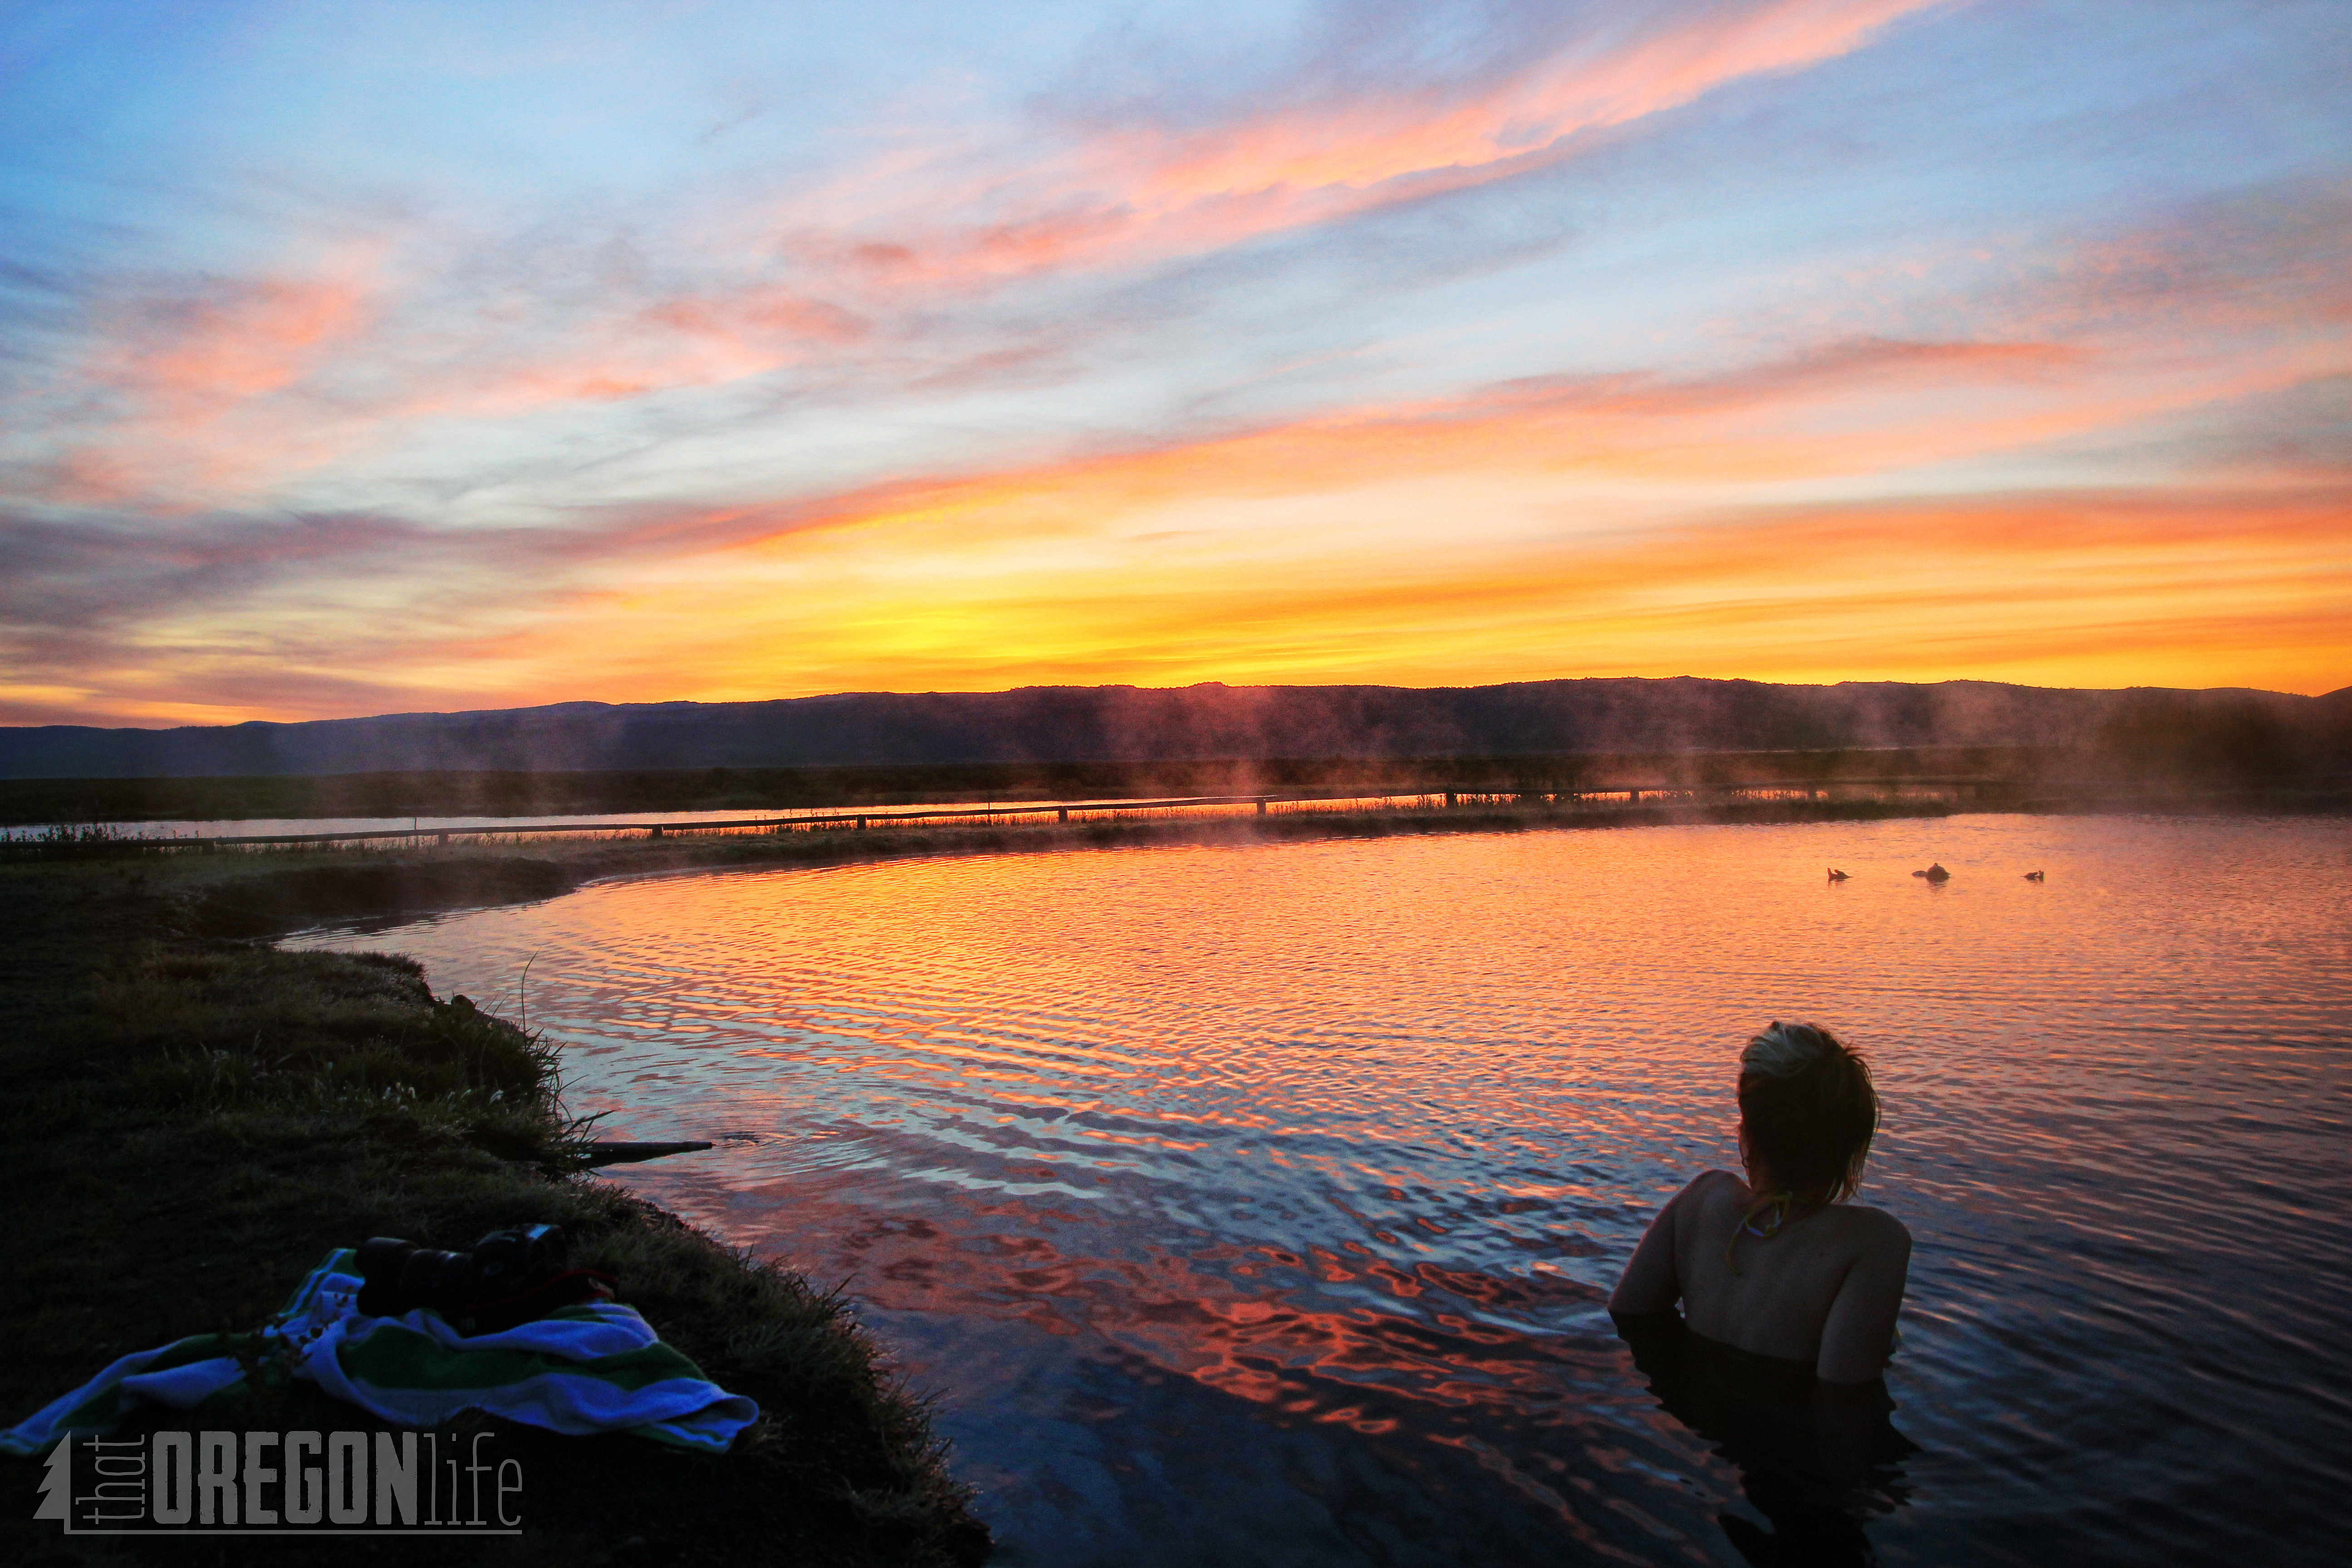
(1763, 1183)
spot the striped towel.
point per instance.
(597, 1367)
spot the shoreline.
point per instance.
(199, 1116)
(275, 892)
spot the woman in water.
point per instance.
(1778, 1264)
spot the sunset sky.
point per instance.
(381, 357)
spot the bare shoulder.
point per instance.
(1874, 1228)
(1707, 1182)
(1705, 1187)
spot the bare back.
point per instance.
(1824, 1290)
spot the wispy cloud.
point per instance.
(1355, 124)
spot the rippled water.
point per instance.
(1258, 1204)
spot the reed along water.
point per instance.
(1258, 1204)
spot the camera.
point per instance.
(510, 1276)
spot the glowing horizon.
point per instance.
(434, 358)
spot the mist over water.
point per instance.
(1259, 1203)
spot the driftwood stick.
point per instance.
(613, 1154)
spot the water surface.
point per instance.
(1258, 1204)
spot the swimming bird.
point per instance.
(1836, 875)
(1933, 873)
(2034, 876)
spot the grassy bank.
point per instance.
(193, 1120)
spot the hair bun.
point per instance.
(1784, 1050)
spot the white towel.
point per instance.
(598, 1367)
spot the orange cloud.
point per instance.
(1854, 409)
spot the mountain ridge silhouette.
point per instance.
(1129, 724)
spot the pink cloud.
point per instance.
(184, 373)
(1137, 193)
(191, 360)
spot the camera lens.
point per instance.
(381, 1260)
(517, 1258)
(505, 1266)
(380, 1257)
(441, 1281)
